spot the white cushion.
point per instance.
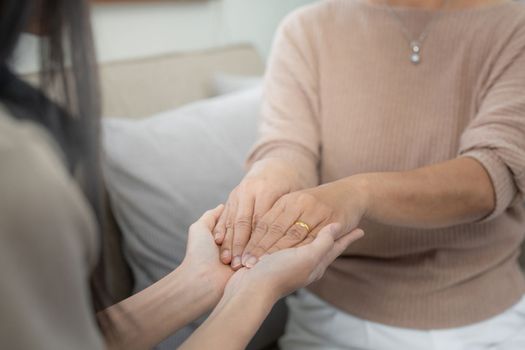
(224, 83)
(163, 172)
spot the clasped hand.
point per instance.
(280, 273)
(262, 218)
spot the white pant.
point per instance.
(315, 325)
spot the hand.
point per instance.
(247, 203)
(202, 254)
(283, 272)
(297, 218)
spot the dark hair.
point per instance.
(66, 100)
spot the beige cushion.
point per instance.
(139, 88)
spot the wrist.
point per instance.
(267, 293)
(207, 287)
(258, 296)
(357, 190)
(248, 283)
(223, 327)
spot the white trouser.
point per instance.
(315, 325)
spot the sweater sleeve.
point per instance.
(496, 136)
(289, 128)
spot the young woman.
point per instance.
(407, 118)
(50, 224)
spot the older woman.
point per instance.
(407, 118)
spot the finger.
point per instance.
(262, 205)
(298, 233)
(261, 229)
(325, 240)
(326, 247)
(220, 229)
(242, 229)
(316, 230)
(276, 230)
(226, 246)
(342, 244)
(210, 217)
(327, 236)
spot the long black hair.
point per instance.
(65, 101)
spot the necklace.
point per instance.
(415, 44)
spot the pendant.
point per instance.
(415, 56)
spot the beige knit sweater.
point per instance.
(342, 98)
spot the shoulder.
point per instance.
(516, 19)
(502, 39)
(30, 158)
(26, 144)
(308, 26)
(320, 14)
(39, 199)
(514, 9)
(505, 21)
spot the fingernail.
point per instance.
(245, 258)
(236, 262)
(216, 236)
(225, 255)
(251, 262)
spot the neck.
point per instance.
(438, 4)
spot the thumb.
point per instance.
(325, 240)
(209, 218)
(342, 243)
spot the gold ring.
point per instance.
(303, 225)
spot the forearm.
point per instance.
(449, 193)
(146, 318)
(233, 322)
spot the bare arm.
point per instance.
(234, 321)
(445, 194)
(146, 318)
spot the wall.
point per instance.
(136, 30)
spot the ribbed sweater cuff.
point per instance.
(502, 180)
